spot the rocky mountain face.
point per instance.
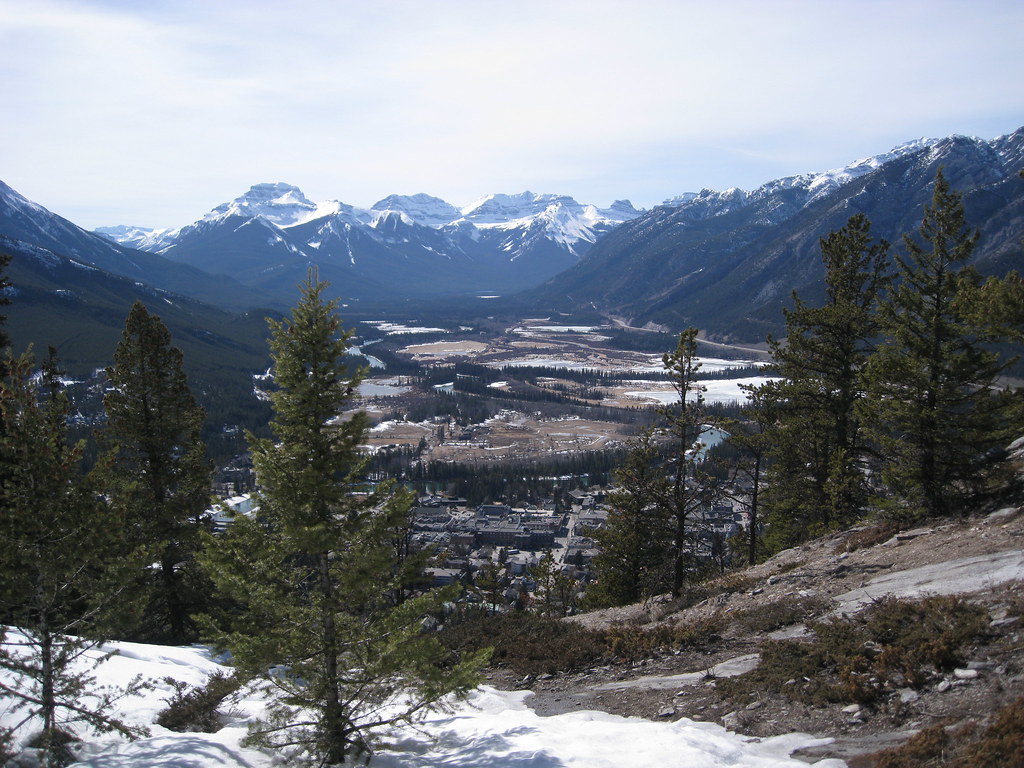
(25, 222)
(416, 245)
(728, 261)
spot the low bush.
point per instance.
(55, 745)
(767, 617)
(868, 537)
(929, 747)
(789, 667)
(527, 643)
(531, 644)
(892, 644)
(197, 709)
(1000, 745)
(632, 643)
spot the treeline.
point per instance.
(517, 480)
(593, 376)
(320, 595)
(888, 403)
(471, 382)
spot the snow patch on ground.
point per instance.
(493, 728)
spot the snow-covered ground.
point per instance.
(493, 728)
(715, 391)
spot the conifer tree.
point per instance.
(155, 470)
(555, 590)
(5, 283)
(688, 490)
(816, 480)
(935, 407)
(654, 533)
(751, 435)
(62, 563)
(634, 561)
(315, 576)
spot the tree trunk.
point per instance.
(335, 731)
(752, 539)
(176, 612)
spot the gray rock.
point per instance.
(981, 665)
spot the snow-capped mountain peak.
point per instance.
(814, 186)
(281, 204)
(140, 238)
(421, 208)
(501, 209)
(565, 220)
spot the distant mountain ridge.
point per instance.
(403, 245)
(25, 221)
(727, 262)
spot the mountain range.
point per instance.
(403, 246)
(725, 261)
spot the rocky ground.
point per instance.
(980, 558)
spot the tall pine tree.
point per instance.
(654, 533)
(815, 479)
(634, 561)
(315, 575)
(155, 470)
(935, 407)
(688, 490)
(751, 436)
(62, 563)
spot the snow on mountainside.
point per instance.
(422, 246)
(728, 262)
(140, 238)
(281, 204)
(513, 241)
(423, 209)
(708, 202)
(412, 244)
(565, 220)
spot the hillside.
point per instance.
(765, 610)
(24, 221)
(727, 262)
(82, 309)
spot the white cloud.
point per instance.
(156, 112)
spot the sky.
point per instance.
(153, 113)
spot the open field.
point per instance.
(520, 432)
(510, 435)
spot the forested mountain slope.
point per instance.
(728, 262)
